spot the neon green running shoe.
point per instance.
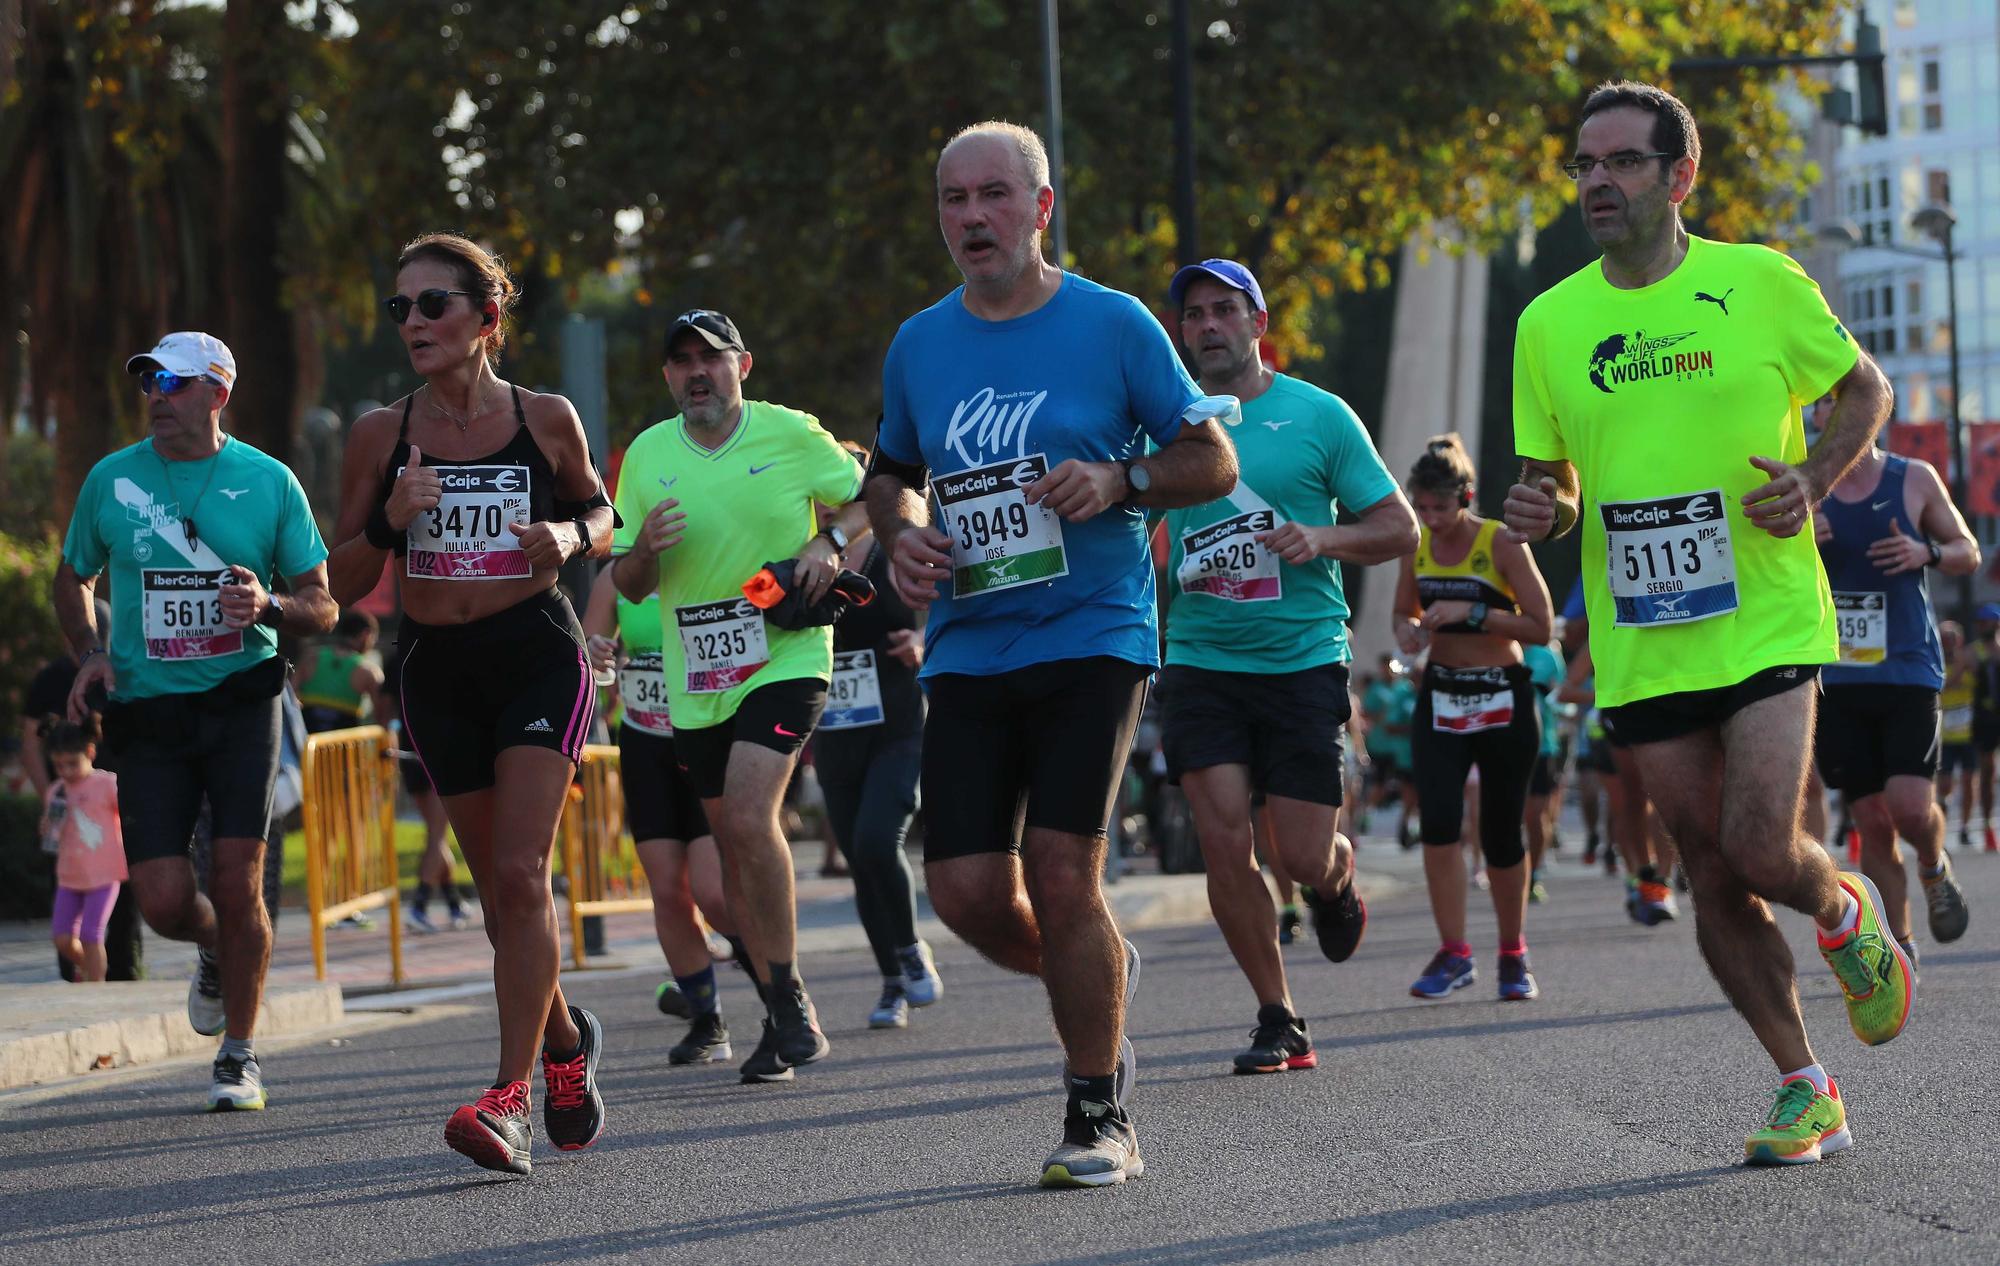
(1873, 971)
(1805, 1124)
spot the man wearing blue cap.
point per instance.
(1255, 689)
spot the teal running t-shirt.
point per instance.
(1235, 606)
(167, 634)
(1546, 670)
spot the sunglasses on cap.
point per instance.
(431, 303)
(169, 383)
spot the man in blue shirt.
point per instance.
(1030, 392)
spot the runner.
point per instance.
(1887, 522)
(1389, 704)
(708, 499)
(669, 830)
(1545, 671)
(1982, 661)
(1666, 381)
(1255, 685)
(477, 491)
(339, 689)
(1956, 756)
(1477, 711)
(1030, 390)
(869, 755)
(194, 526)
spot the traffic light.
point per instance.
(1873, 115)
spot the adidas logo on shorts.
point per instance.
(540, 727)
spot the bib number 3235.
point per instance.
(998, 540)
(725, 644)
(1670, 559)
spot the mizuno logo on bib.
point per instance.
(642, 688)
(854, 697)
(1670, 559)
(1225, 560)
(1470, 700)
(725, 644)
(183, 615)
(1864, 627)
(465, 536)
(998, 540)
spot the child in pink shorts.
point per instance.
(80, 826)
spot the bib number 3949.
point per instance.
(1864, 627)
(465, 536)
(998, 540)
(725, 644)
(183, 615)
(1670, 559)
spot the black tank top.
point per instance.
(519, 450)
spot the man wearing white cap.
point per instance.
(193, 526)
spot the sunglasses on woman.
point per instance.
(168, 383)
(431, 303)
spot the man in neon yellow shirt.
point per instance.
(708, 500)
(1657, 399)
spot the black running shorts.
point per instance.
(779, 715)
(173, 751)
(1283, 727)
(1673, 716)
(1042, 746)
(1953, 757)
(516, 678)
(1871, 733)
(660, 803)
(1484, 717)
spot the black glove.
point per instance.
(783, 601)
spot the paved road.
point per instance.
(1600, 1123)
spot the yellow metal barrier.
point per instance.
(350, 820)
(605, 875)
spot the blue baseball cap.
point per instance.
(1227, 271)
(1989, 611)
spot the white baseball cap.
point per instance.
(191, 354)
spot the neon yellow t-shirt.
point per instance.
(1660, 396)
(747, 503)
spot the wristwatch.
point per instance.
(1138, 481)
(582, 526)
(833, 533)
(1937, 555)
(274, 614)
(1475, 619)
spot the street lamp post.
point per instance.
(1936, 223)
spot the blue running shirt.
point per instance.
(1088, 375)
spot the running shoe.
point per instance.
(1965, 838)
(1590, 849)
(419, 921)
(1873, 973)
(766, 1063)
(1946, 901)
(892, 1010)
(799, 1037)
(1538, 892)
(1128, 1059)
(205, 1010)
(1657, 904)
(236, 1085)
(707, 1041)
(1805, 1124)
(1910, 952)
(495, 1131)
(1279, 1042)
(573, 1112)
(921, 983)
(1517, 983)
(459, 921)
(1289, 924)
(1635, 908)
(671, 1001)
(1338, 921)
(1992, 841)
(719, 947)
(1099, 1148)
(1447, 973)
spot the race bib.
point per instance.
(998, 540)
(1225, 560)
(1456, 713)
(1670, 560)
(183, 615)
(465, 536)
(725, 644)
(1958, 720)
(1864, 627)
(642, 688)
(854, 697)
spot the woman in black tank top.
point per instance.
(476, 492)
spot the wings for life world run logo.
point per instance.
(1628, 358)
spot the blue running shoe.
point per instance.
(1447, 973)
(1517, 983)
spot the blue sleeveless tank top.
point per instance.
(1887, 633)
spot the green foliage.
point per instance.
(27, 879)
(30, 636)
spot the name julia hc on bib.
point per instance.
(464, 536)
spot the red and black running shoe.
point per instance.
(573, 1113)
(1279, 1042)
(1338, 920)
(495, 1132)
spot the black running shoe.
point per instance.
(495, 1132)
(1277, 1043)
(1339, 921)
(766, 1063)
(800, 1040)
(573, 1112)
(671, 1001)
(1288, 926)
(707, 1042)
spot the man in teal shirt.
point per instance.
(1389, 704)
(1254, 691)
(194, 526)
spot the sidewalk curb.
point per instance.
(54, 1031)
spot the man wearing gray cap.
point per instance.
(1255, 689)
(193, 526)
